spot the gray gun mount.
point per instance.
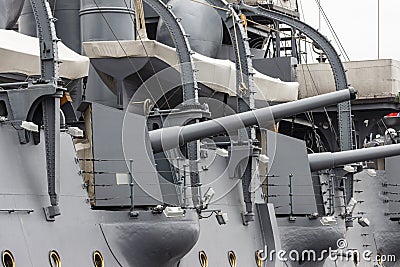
(172, 137)
(328, 160)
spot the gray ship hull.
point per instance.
(148, 240)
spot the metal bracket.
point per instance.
(247, 217)
(244, 82)
(240, 44)
(51, 104)
(189, 80)
(238, 159)
(51, 212)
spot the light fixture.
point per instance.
(222, 152)
(172, 212)
(328, 220)
(207, 197)
(349, 168)
(371, 172)
(29, 126)
(351, 206)
(122, 178)
(364, 222)
(263, 158)
(222, 217)
(75, 131)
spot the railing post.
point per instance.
(132, 213)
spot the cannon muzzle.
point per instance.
(328, 160)
(171, 137)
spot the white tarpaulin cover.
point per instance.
(19, 53)
(220, 75)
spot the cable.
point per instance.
(109, 247)
(147, 55)
(339, 43)
(54, 7)
(276, 30)
(213, 6)
(326, 112)
(238, 55)
(126, 54)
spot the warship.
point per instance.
(191, 133)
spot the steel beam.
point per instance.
(50, 104)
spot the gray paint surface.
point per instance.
(283, 68)
(105, 21)
(382, 234)
(149, 230)
(288, 157)
(217, 240)
(77, 233)
(66, 12)
(393, 186)
(120, 137)
(9, 12)
(195, 18)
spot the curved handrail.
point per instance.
(344, 109)
(189, 80)
(240, 44)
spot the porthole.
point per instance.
(232, 258)
(379, 258)
(8, 259)
(259, 260)
(3, 109)
(54, 258)
(203, 259)
(356, 257)
(98, 259)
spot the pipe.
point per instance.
(328, 160)
(171, 137)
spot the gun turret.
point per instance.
(171, 137)
(328, 160)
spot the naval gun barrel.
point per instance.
(175, 136)
(329, 160)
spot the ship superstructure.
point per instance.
(197, 136)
